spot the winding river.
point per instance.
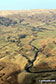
(27, 68)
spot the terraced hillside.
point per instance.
(27, 46)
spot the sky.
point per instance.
(27, 4)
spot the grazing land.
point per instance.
(27, 46)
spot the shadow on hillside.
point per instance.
(12, 79)
(35, 78)
(9, 73)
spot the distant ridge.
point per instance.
(32, 11)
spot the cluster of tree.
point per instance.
(6, 21)
(22, 36)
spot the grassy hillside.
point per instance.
(21, 34)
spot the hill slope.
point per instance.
(28, 41)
